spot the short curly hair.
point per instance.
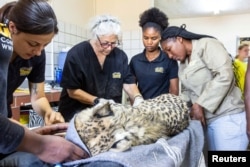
(153, 17)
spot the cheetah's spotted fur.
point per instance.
(117, 127)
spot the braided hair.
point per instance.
(174, 31)
(155, 18)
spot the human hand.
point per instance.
(103, 101)
(138, 99)
(56, 149)
(110, 101)
(53, 117)
(52, 129)
(197, 113)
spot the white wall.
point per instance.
(2, 2)
(224, 28)
(127, 11)
(75, 12)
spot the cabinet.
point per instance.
(23, 99)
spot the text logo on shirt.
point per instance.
(116, 75)
(6, 43)
(25, 71)
(159, 69)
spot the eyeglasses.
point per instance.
(107, 44)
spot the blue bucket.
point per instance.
(58, 75)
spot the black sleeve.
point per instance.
(173, 70)
(132, 69)
(11, 135)
(128, 76)
(37, 74)
(131, 65)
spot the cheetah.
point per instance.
(116, 127)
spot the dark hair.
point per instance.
(5, 11)
(173, 32)
(33, 17)
(155, 18)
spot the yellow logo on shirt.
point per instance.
(4, 30)
(25, 71)
(116, 75)
(159, 69)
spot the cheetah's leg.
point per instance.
(122, 142)
(102, 109)
(88, 113)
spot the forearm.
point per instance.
(39, 101)
(41, 106)
(132, 90)
(81, 96)
(174, 86)
(31, 142)
(11, 135)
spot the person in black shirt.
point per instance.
(28, 61)
(96, 70)
(155, 72)
(23, 24)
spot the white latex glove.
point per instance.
(110, 101)
(137, 100)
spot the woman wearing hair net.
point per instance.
(96, 70)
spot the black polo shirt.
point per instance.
(83, 71)
(10, 134)
(6, 48)
(153, 77)
(33, 69)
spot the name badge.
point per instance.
(116, 75)
(159, 69)
(25, 71)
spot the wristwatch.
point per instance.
(96, 101)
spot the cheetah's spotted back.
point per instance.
(117, 127)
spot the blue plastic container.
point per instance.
(58, 75)
(61, 59)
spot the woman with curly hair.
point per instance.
(154, 71)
